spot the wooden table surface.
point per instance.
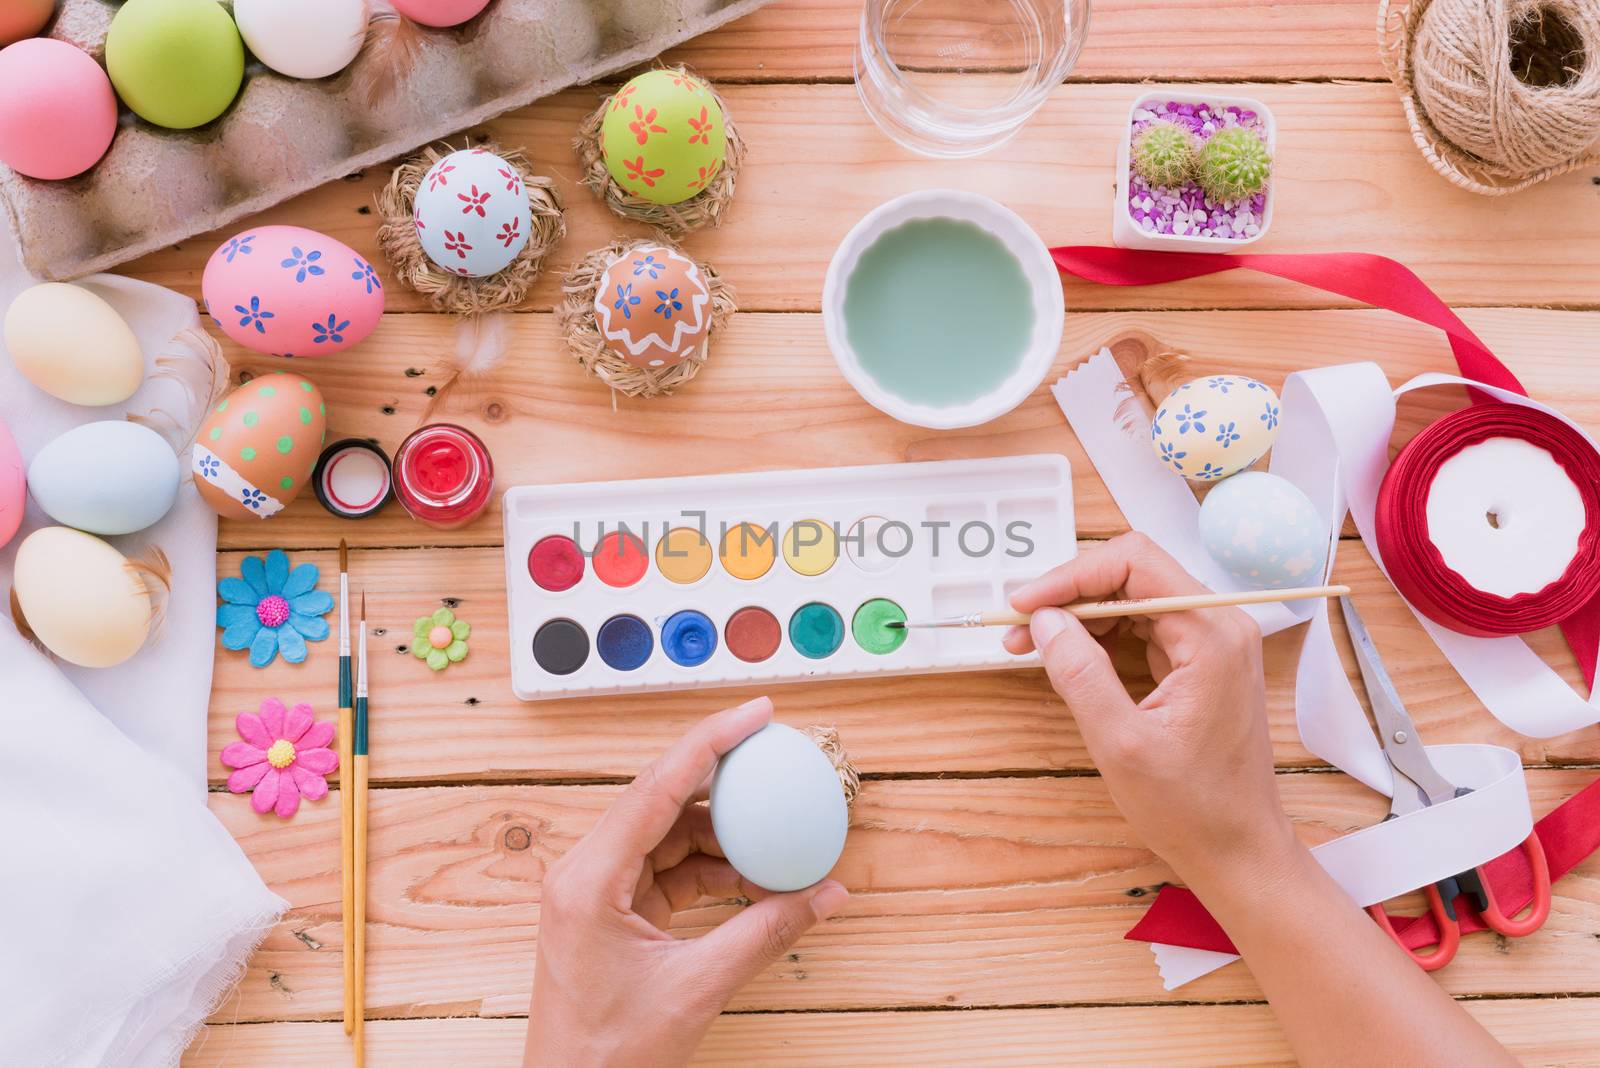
(992, 878)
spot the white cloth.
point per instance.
(130, 910)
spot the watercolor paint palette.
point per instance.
(773, 576)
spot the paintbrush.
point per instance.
(1138, 606)
(359, 999)
(347, 811)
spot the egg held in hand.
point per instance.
(778, 809)
(1214, 427)
(258, 446)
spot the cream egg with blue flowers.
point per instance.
(1214, 427)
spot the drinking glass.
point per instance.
(954, 78)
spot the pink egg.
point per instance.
(290, 291)
(12, 485)
(439, 12)
(57, 110)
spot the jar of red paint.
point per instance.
(443, 475)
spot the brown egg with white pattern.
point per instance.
(653, 307)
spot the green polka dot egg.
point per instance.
(257, 447)
(662, 136)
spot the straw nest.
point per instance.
(575, 315)
(449, 292)
(827, 739)
(704, 209)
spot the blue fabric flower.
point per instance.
(272, 610)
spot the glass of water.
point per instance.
(955, 78)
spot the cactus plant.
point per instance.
(1234, 164)
(1164, 154)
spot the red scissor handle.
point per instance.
(1538, 908)
(1449, 932)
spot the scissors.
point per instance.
(1418, 785)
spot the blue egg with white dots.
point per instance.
(1264, 531)
(1214, 427)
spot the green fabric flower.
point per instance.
(440, 639)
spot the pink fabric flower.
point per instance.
(284, 756)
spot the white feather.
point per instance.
(481, 343)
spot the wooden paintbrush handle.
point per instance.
(359, 988)
(346, 858)
(1155, 606)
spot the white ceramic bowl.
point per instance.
(1126, 233)
(1044, 288)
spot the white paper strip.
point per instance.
(1395, 857)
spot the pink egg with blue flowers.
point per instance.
(289, 291)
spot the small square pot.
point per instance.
(1126, 231)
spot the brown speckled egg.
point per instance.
(653, 307)
(258, 446)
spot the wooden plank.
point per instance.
(772, 398)
(983, 892)
(1349, 177)
(1557, 1032)
(464, 723)
(1129, 40)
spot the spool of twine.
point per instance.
(1500, 94)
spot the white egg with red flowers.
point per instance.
(471, 213)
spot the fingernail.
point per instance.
(764, 704)
(1047, 623)
(1021, 592)
(829, 899)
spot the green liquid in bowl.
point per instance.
(938, 312)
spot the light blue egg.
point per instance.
(1264, 531)
(109, 477)
(778, 809)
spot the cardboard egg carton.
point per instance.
(281, 136)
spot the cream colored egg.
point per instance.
(81, 597)
(1214, 427)
(73, 345)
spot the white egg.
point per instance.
(110, 477)
(81, 597)
(778, 809)
(73, 345)
(1213, 427)
(1264, 531)
(471, 213)
(303, 38)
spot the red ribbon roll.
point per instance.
(1415, 564)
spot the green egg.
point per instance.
(176, 63)
(663, 137)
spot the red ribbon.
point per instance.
(1569, 834)
(1413, 561)
(1375, 280)
(1572, 831)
